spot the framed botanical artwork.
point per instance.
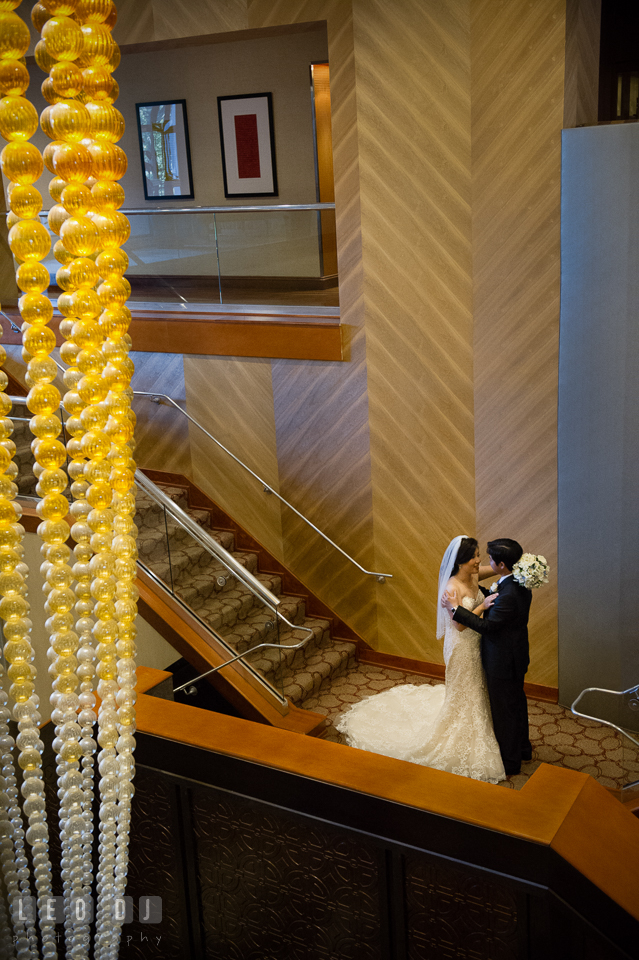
(164, 146)
(248, 145)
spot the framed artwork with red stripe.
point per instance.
(164, 145)
(248, 145)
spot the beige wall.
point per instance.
(234, 398)
(279, 65)
(414, 145)
(142, 20)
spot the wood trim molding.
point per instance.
(537, 691)
(14, 387)
(223, 336)
(437, 671)
(233, 337)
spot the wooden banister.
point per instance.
(558, 808)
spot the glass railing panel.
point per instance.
(276, 257)
(270, 243)
(207, 587)
(172, 256)
(153, 539)
(221, 600)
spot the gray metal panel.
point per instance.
(599, 412)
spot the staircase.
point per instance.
(216, 597)
(230, 609)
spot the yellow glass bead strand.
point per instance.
(22, 164)
(80, 274)
(114, 630)
(19, 654)
(13, 836)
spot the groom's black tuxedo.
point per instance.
(504, 654)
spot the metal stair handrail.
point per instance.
(608, 723)
(158, 397)
(206, 541)
(269, 691)
(215, 549)
(254, 208)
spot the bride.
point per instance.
(447, 726)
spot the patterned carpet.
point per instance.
(556, 735)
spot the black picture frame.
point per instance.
(165, 152)
(249, 146)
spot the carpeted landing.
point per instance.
(557, 736)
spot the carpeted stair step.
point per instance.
(300, 673)
(324, 667)
(179, 496)
(154, 520)
(197, 577)
(158, 540)
(245, 624)
(242, 624)
(232, 611)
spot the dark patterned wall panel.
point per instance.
(274, 887)
(156, 870)
(450, 914)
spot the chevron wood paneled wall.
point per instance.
(583, 35)
(517, 69)
(321, 409)
(402, 166)
(161, 433)
(140, 21)
(413, 99)
(233, 399)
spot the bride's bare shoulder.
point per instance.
(455, 586)
(461, 589)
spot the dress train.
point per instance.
(447, 726)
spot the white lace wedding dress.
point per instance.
(447, 726)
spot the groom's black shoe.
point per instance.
(512, 771)
(526, 757)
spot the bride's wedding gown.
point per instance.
(448, 726)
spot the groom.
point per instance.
(504, 652)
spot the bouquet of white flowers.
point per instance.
(531, 571)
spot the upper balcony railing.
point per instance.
(268, 254)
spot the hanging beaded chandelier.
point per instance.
(87, 529)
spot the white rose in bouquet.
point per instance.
(531, 571)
